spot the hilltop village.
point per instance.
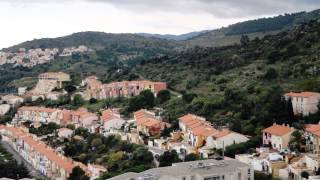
(32, 57)
(61, 129)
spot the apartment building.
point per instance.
(97, 90)
(201, 134)
(148, 123)
(277, 136)
(210, 169)
(42, 157)
(304, 103)
(38, 114)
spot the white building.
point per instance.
(304, 103)
(12, 100)
(111, 120)
(195, 170)
(65, 133)
(4, 109)
(220, 140)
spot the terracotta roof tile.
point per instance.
(302, 94)
(278, 130)
(313, 128)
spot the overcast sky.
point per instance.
(23, 20)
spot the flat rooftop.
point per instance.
(202, 167)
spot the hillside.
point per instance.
(98, 40)
(238, 86)
(292, 55)
(180, 37)
(253, 28)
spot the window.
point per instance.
(192, 177)
(183, 178)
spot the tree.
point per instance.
(271, 74)
(191, 157)
(78, 174)
(305, 174)
(296, 141)
(144, 100)
(78, 100)
(70, 88)
(169, 157)
(142, 156)
(188, 97)
(273, 56)
(163, 96)
(93, 101)
(290, 112)
(244, 40)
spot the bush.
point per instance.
(305, 174)
(271, 74)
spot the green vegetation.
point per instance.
(169, 157)
(78, 174)
(118, 156)
(10, 168)
(44, 129)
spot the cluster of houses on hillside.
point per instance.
(42, 157)
(33, 57)
(95, 88)
(275, 157)
(194, 134)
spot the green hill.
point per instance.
(240, 86)
(253, 28)
(97, 40)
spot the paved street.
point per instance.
(19, 159)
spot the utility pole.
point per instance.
(223, 150)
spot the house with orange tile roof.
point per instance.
(304, 103)
(81, 118)
(277, 136)
(148, 123)
(37, 114)
(111, 120)
(95, 88)
(195, 129)
(203, 136)
(312, 135)
(42, 157)
(221, 139)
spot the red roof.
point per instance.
(313, 129)
(147, 118)
(302, 94)
(61, 161)
(278, 130)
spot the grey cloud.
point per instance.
(218, 8)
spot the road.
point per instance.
(19, 159)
